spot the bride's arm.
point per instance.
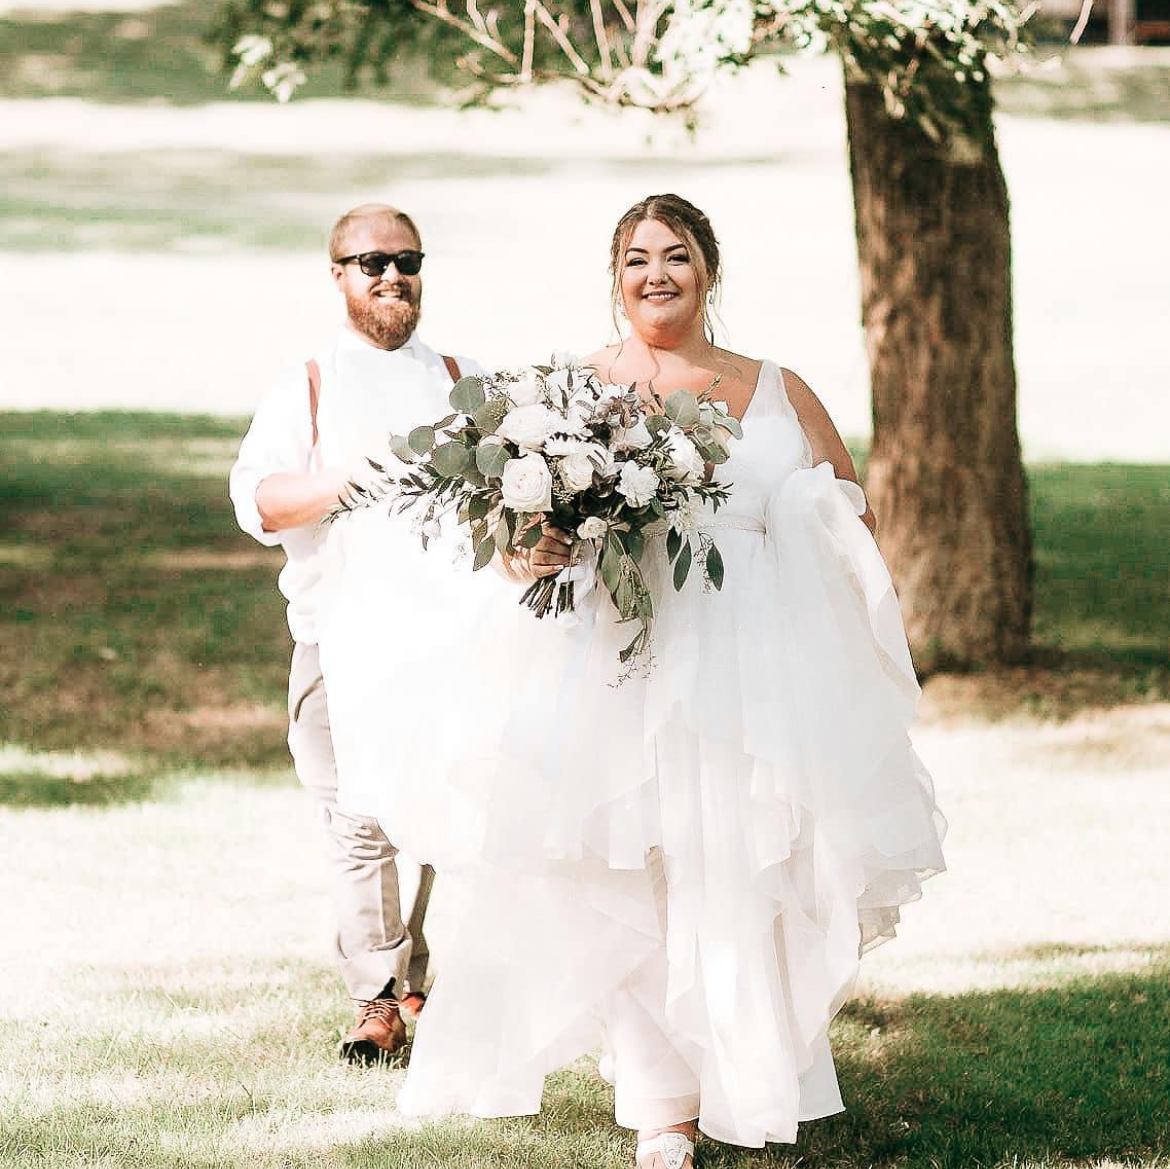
(827, 444)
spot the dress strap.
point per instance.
(789, 411)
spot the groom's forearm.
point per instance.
(287, 500)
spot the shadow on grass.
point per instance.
(40, 789)
(1072, 1070)
(135, 616)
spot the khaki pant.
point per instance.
(373, 945)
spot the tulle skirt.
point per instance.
(683, 868)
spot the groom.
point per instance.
(303, 447)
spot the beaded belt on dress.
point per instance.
(737, 523)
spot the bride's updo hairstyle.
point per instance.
(690, 225)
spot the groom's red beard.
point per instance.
(388, 323)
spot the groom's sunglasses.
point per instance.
(407, 263)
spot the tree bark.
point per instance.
(945, 476)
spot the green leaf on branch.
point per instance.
(682, 409)
(478, 507)
(451, 459)
(611, 565)
(504, 534)
(682, 566)
(484, 552)
(532, 536)
(489, 416)
(658, 422)
(467, 395)
(401, 448)
(422, 439)
(635, 544)
(715, 567)
(491, 458)
(673, 543)
(731, 425)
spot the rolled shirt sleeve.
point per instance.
(280, 438)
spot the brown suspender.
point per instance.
(315, 394)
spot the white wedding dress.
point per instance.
(682, 869)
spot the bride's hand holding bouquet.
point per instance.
(556, 470)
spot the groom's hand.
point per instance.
(552, 553)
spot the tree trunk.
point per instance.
(945, 476)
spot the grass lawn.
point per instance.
(164, 989)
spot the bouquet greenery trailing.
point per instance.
(555, 445)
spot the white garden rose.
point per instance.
(635, 438)
(608, 391)
(688, 465)
(638, 484)
(592, 528)
(577, 469)
(526, 484)
(525, 392)
(528, 426)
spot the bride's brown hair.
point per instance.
(690, 225)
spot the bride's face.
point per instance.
(659, 284)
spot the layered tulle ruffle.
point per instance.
(764, 762)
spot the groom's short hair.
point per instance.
(363, 212)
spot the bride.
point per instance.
(684, 869)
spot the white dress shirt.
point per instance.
(366, 394)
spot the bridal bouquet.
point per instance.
(556, 444)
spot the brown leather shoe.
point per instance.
(378, 1033)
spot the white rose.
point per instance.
(526, 484)
(638, 484)
(577, 468)
(636, 438)
(562, 359)
(575, 419)
(688, 466)
(528, 426)
(525, 392)
(593, 527)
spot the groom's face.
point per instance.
(385, 308)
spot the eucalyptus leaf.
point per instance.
(489, 416)
(504, 533)
(611, 567)
(401, 449)
(682, 409)
(467, 395)
(445, 421)
(658, 422)
(478, 506)
(682, 566)
(451, 459)
(715, 566)
(491, 459)
(484, 552)
(732, 426)
(422, 439)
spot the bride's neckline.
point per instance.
(751, 400)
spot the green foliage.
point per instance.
(930, 60)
